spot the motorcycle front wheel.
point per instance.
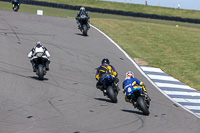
(84, 29)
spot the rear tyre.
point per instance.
(142, 106)
(40, 72)
(84, 29)
(111, 94)
(16, 8)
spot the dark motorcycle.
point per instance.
(84, 26)
(15, 5)
(109, 87)
(40, 64)
(140, 100)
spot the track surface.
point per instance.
(67, 100)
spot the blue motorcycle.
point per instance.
(140, 100)
(109, 87)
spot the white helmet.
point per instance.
(82, 9)
(129, 74)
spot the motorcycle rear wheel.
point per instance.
(142, 105)
(16, 8)
(40, 72)
(111, 94)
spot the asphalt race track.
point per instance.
(67, 100)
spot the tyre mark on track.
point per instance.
(14, 33)
(117, 127)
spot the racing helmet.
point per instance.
(38, 44)
(105, 60)
(82, 9)
(129, 74)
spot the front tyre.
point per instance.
(84, 29)
(111, 94)
(142, 106)
(40, 71)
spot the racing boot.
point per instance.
(126, 99)
(47, 65)
(79, 26)
(99, 86)
(33, 65)
(116, 82)
(88, 25)
(104, 92)
(34, 69)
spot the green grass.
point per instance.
(131, 7)
(160, 43)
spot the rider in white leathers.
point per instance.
(39, 49)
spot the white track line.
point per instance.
(162, 77)
(187, 100)
(151, 69)
(173, 85)
(193, 107)
(182, 93)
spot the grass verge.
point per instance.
(160, 43)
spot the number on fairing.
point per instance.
(129, 89)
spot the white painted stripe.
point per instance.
(151, 69)
(186, 100)
(182, 93)
(198, 114)
(173, 85)
(162, 77)
(193, 107)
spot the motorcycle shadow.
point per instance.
(103, 99)
(37, 78)
(80, 34)
(132, 111)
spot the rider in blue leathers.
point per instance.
(128, 85)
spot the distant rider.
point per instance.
(128, 85)
(39, 49)
(82, 12)
(105, 67)
(14, 2)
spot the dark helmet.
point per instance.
(38, 44)
(105, 60)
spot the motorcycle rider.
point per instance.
(14, 2)
(105, 67)
(39, 49)
(128, 85)
(82, 12)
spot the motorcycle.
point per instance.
(40, 65)
(140, 100)
(84, 26)
(109, 87)
(16, 5)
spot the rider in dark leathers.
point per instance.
(82, 12)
